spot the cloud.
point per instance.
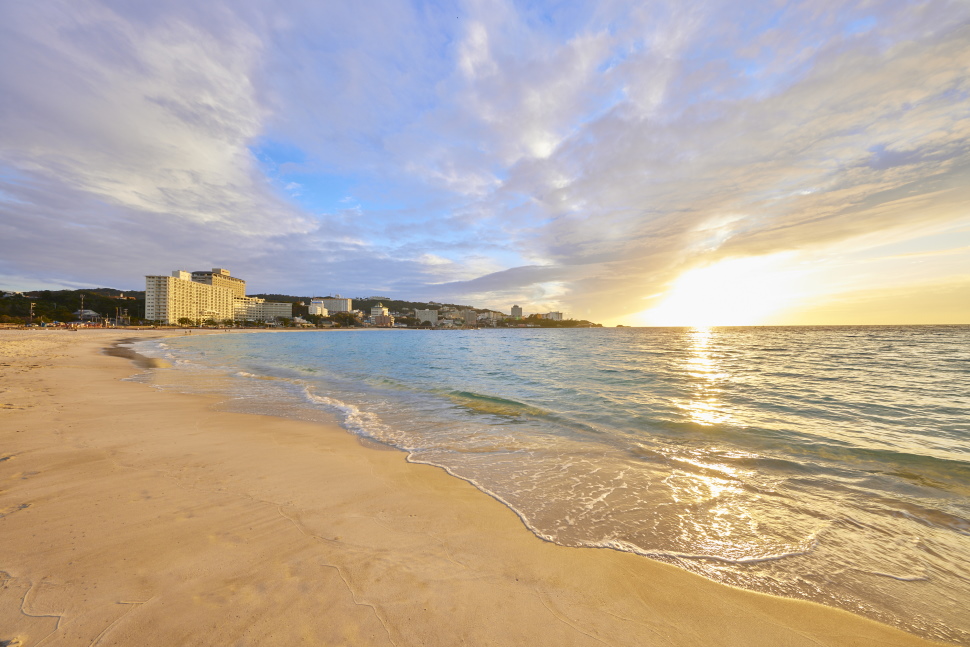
(785, 168)
(150, 114)
(496, 152)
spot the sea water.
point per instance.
(824, 463)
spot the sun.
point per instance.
(734, 292)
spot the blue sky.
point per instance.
(583, 157)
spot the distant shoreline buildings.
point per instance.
(217, 296)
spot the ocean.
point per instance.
(829, 464)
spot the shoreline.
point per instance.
(133, 516)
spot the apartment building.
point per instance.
(427, 315)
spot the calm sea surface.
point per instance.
(830, 464)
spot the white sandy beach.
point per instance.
(130, 516)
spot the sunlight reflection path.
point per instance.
(704, 406)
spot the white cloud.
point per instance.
(151, 115)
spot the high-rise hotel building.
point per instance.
(170, 298)
(219, 277)
(206, 295)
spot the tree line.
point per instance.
(61, 305)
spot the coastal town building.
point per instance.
(256, 309)
(337, 304)
(516, 312)
(379, 310)
(86, 315)
(493, 316)
(430, 316)
(317, 307)
(381, 316)
(470, 317)
(553, 316)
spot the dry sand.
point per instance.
(130, 516)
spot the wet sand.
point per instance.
(130, 516)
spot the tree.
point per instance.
(186, 321)
(344, 318)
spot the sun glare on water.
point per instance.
(735, 292)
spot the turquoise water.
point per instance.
(829, 463)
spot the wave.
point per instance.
(360, 422)
(810, 545)
(899, 578)
(495, 405)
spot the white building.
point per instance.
(317, 307)
(337, 304)
(516, 312)
(170, 298)
(553, 316)
(427, 315)
(381, 316)
(256, 309)
(470, 317)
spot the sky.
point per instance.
(644, 163)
